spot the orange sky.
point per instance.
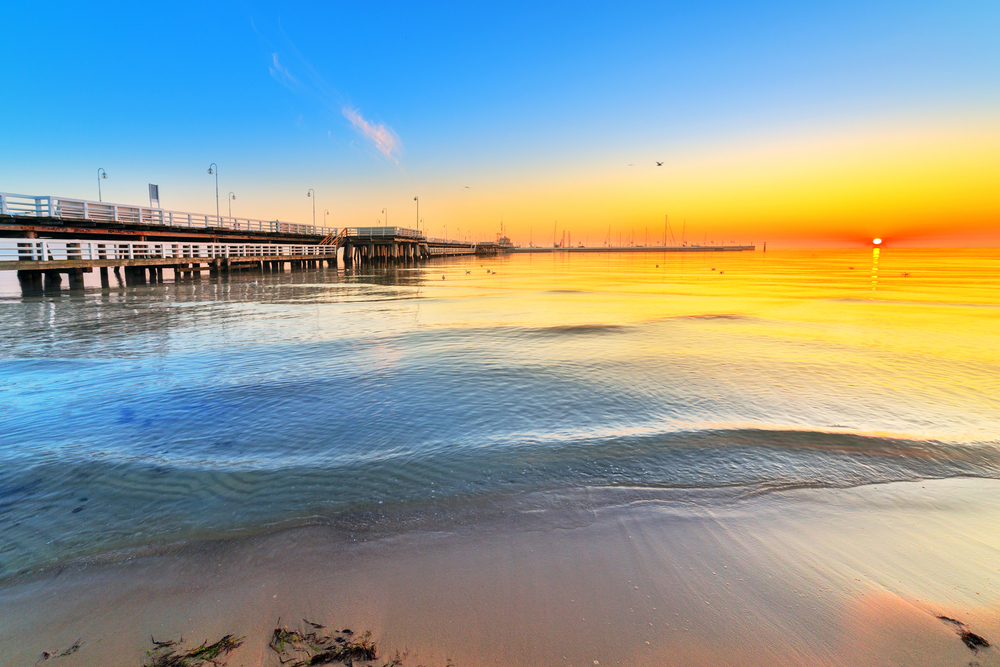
(908, 183)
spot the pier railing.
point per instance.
(451, 250)
(453, 242)
(48, 250)
(63, 208)
(384, 232)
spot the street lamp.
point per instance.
(312, 193)
(386, 217)
(100, 174)
(216, 172)
(417, 199)
(232, 198)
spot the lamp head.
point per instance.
(210, 170)
(104, 174)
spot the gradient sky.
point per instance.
(795, 124)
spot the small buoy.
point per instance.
(442, 277)
(721, 272)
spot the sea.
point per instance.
(409, 397)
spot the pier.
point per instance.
(44, 237)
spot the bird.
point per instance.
(466, 187)
(658, 164)
(467, 272)
(442, 277)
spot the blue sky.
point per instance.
(493, 97)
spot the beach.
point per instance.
(631, 577)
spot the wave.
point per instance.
(65, 507)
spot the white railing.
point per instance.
(450, 242)
(12, 250)
(452, 250)
(62, 208)
(384, 232)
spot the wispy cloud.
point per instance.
(311, 85)
(281, 73)
(386, 141)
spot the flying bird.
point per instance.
(659, 164)
(466, 188)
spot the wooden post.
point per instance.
(31, 281)
(75, 279)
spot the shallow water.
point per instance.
(147, 415)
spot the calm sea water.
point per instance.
(141, 416)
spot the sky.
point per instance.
(796, 123)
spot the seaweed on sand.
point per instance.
(167, 654)
(304, 649)
(62, 654)
(969, 638)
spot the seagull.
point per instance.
(658, 164)
(466, 187)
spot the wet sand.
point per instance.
(620, 577)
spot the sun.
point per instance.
(876, 241)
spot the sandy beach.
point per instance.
(611, 577)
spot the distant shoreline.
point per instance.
(695, 248)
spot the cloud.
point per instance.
(281, 73)
(383, 137)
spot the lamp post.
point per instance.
(100, 174)
(312, 193)
(386, 224)
(417, 199)
(232, 198)
(216, 172)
